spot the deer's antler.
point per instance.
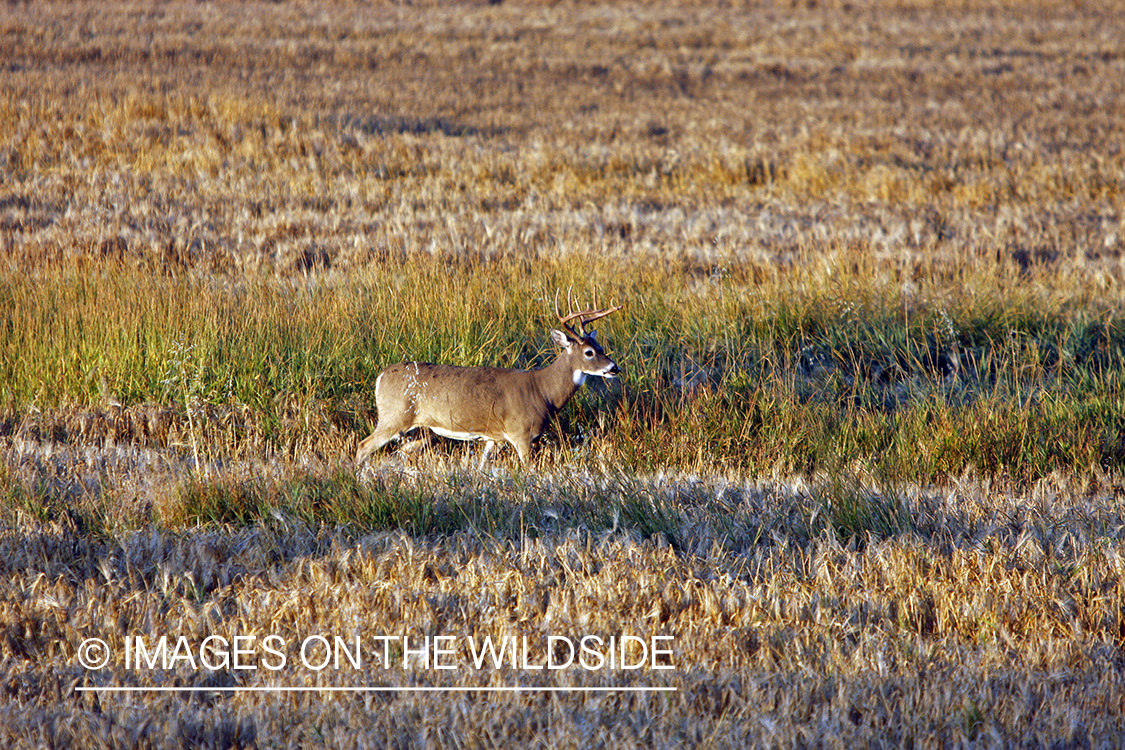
(583, 316)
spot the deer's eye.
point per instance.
(589, 354)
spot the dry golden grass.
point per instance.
(209, 176)
(238, 137)
(997, 620)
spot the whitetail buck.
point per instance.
(489, 403)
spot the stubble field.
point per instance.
(863, 472)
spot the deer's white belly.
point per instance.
(458, 435)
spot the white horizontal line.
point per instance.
(385, 689)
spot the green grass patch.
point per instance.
(797, 375)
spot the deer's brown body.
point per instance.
(487, 403)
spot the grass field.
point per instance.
(863, 476)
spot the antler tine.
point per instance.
(571, 315)
(581, 321)
(569, 306)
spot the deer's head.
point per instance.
(580, 347)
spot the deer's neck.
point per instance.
(558, 381)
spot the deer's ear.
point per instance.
(560, 338)
(593, 336)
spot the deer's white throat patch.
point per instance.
(579, 377)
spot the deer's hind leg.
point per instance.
(383, 434)
(423, 438)
(396, 416)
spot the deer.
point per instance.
(494, 404)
